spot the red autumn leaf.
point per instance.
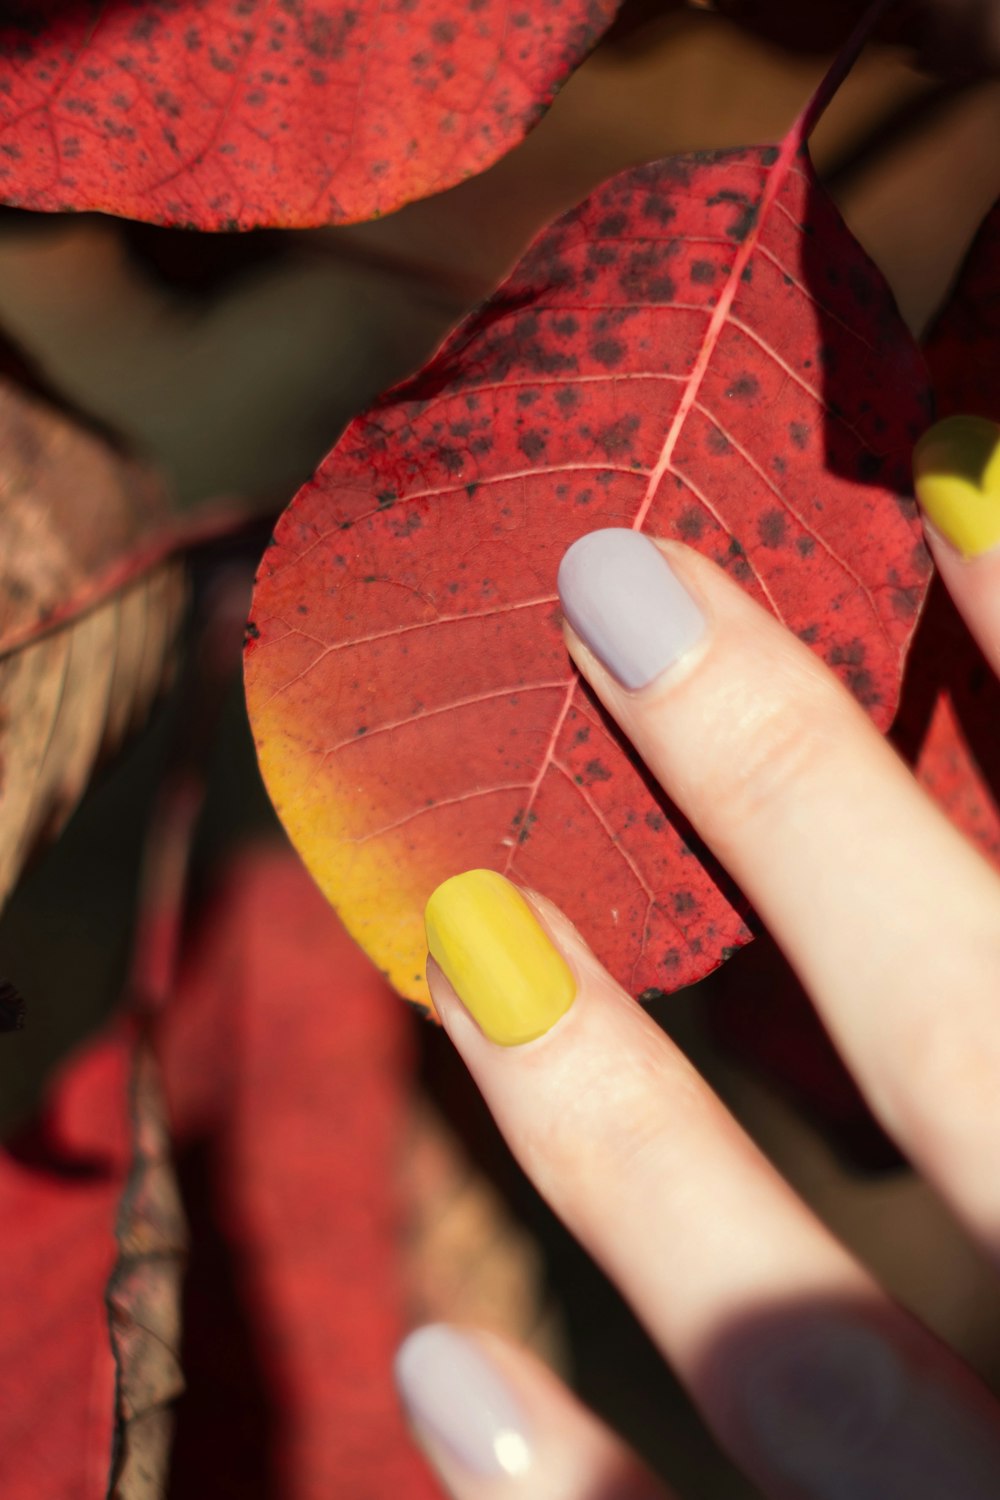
(81, 1402)
(285, 1060)
(230, 114)
(701, 350)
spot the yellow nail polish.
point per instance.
(504, 968)
(956, 471)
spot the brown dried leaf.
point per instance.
(467, 1259)
(73, 512)
(144, 1298)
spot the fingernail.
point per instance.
(956, 474)
(627, 604)
(503, 966)
(453, 1391)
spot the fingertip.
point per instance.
(956, 475)
(628, 606)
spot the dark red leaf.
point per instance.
(947, 726)
(760, 1012)
(952, 703)
(963, 346)
(284, 1059)
(229, 114)
(702, 350)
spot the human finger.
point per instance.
(495, 1424)
(817, 1384)
(956, 468)
(890, 918)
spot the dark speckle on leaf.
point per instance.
(739, 227)
(597, 771)
(532, 445)
(608, 352)
(691, 523)
(869, 466)
(743, 388)
(659, 208)
(771, 527)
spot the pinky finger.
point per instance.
(495, 1424)
(957, 477)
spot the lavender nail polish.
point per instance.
(626, 603)
(454, 1391)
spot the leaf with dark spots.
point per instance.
(436, 788)
(233, 114)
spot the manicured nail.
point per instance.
(458, 1396)
(504, 968)
(627, 604)
(956, 474)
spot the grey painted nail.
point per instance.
(453, 1390)
(626, 603)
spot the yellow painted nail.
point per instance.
(956, 472)
(504, 968)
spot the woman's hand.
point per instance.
(818, 1384)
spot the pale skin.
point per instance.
(818, 1385)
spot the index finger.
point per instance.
(891, 920)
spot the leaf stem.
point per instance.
(838, 70)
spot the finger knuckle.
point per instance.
(610, 1128)
(759, 754)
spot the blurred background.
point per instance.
(235, 362)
